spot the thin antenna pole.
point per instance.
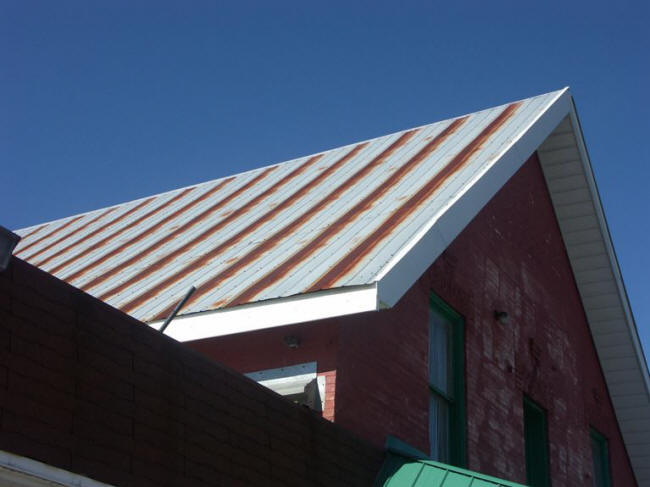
(177, 309)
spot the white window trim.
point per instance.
(291, 379)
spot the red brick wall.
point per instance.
(511, 257)
(266, 349)
(86, 388)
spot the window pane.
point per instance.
(537, 468)
(439, 428)
(600, 459)
(439, 357)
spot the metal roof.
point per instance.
(330, 220)
(399, 471)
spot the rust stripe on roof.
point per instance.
(215, 252)
(48, 235)
(155, 245)
(160, 263)
(68, 235)
(283, 205)
(133, 240)
(137, 221)
(37, 229)
(345, 219)
(278, 235)
(99, 229)
(362, 249)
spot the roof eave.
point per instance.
(273, 313)
(406, 267)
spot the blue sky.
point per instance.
(104, 102)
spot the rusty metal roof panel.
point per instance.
(325, 221)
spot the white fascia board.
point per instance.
(609, 246)
(21, 471)
(273, 313)
(407, 265)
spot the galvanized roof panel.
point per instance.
(330, 220)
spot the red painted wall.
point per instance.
(510, 257)
(266, 349)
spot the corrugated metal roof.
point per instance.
(399, 471)
(329, 220)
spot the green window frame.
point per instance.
(536, 441)
(600, 459)
(446, 383)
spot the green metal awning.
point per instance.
(401, 471)
(405, 466)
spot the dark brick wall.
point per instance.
(86, 388)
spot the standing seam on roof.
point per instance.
(53, 232)
(68, 235)
(110, 272)
(344, 220)
(273, 240)
(99, 229)
(351, 259)
(200, 238)
(286, 203)
(113, 236)
(36, 230)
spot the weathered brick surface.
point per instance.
(86, 388)
(510, 257)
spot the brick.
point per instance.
(93, 451)
(213, 452)
(102, 472)
(102, 414)
(169, 439)
(107, 366)
(36, 430)
(91, 377)
(63, 345)
(21, 444)
(55, 417)
(204, 473)
(171, 458)
(161, 475)
(25, 311)
(39, 390)
(102, 435)
(57, 306)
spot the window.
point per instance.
(298, 383)
(600, 458)
(446, 384)
(536, 440)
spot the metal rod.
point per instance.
(177, 309)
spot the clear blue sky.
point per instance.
(104, 102)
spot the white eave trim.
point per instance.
(273, 313)
(609, 246)
(406, 267)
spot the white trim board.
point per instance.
(570, 180)
(24, 472)
(273, 313)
